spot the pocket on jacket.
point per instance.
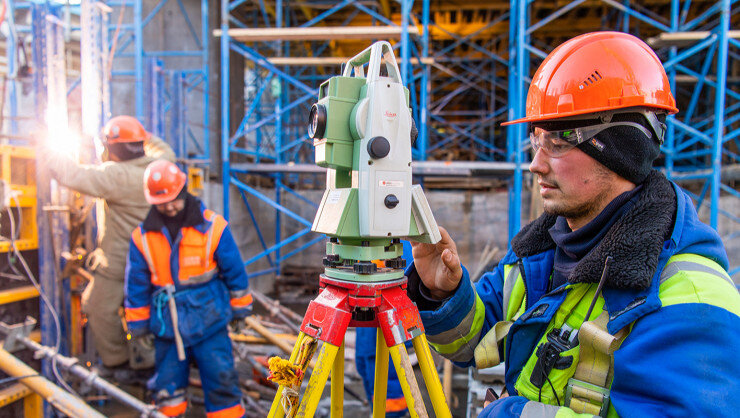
(201, 311)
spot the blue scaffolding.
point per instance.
(467, 100)
(468, 69)
(167, 83)
(279, 93)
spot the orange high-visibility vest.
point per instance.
(196, 249)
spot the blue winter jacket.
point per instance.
(680, 356)
(204, 303)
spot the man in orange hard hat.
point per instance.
(615, 300)
(118, 181)
(186, 281)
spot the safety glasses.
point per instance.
(557, 143)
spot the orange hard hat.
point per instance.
(163, 181)
(122, 129)
(598, 72)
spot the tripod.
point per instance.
(342, 304)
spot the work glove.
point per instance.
(138, 332)
(237, 325)
(141, 351)
(96, 259)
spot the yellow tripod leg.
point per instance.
(276, 411)
(316, 384)
(337, 385)
(431, 378)
(406, 376)
(380, 391)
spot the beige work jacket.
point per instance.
(121, 186)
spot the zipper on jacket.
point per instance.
(175, 245)
(520, 263)
(556, 291)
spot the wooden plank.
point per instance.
(18, 294)
(323, 33)
(684, 38)
(313, 61)
(251, 339)
(419, 168)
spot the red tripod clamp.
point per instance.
(341, 304)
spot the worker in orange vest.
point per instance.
(185, 281)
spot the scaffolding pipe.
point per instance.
(90, 378)
(53, 394)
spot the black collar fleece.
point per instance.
(634, 241)
(154, 220)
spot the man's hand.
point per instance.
(438, 265)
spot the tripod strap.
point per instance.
(588, 390)
(487, 351)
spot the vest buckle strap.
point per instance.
(584, 397)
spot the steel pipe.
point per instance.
(91, 378)
(53, 394)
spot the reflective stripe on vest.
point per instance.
(539, 410)
(515, 295)
(486, 353)
(235, 411)
(509, 281)
(196, 254)
(395, 404)
(137, 314)
(239, 302)
(675, 267)
(690, 278)
(458, 343)
(159, 268)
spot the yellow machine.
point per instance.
(18, 172)
(196, 180)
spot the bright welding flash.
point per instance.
(67, 143)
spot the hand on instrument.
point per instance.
(438, 265)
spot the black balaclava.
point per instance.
(174, 223)
(624, 150)
(127, 150)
